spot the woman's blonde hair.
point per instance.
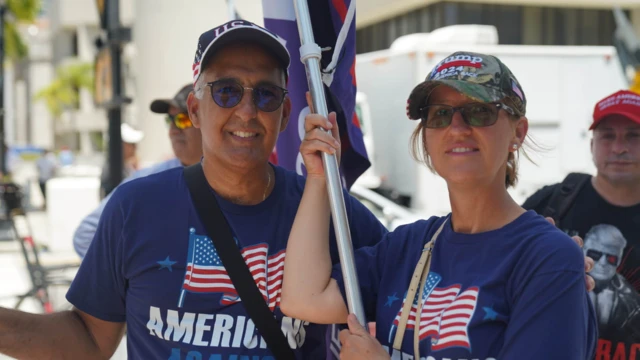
(419, 152)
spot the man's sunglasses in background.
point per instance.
(181, 121)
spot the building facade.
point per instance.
(164, 34)
(518, 22)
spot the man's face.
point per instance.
(607, 255)
(128, 150)
(241, 136)
(615, 148)
(186, 143)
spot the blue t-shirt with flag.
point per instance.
(517, 292)
(151, 265)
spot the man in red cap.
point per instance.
(605, 211)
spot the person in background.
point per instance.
(604, 209)
(186, 143)
(130, 139)
(46, 166)
(12, 160)
(65, 156)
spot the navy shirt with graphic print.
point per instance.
(151, 265)
(517, 292)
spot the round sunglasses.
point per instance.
(228, 93)
(474, 114)
(181, 121)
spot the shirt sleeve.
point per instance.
(366, 230)
(99, 286)
(369, 263)
(556, 299)
(85, 232)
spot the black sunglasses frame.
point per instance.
(499, 106)
(242, 88)
(596, 255)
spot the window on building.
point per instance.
(97, 140)
(76, 103)
(74, 43)
(526, 25)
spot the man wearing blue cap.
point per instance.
(151, 266)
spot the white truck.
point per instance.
(562, 85)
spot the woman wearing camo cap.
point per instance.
(488, 281)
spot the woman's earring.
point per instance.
(515, 146)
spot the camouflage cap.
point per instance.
(481, 77)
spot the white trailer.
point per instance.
(561, 83)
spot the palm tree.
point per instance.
(63, 92)
(18, 11)
(14, 49)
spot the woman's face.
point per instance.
(468, 155)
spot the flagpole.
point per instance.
(310, 55)
(231, 8)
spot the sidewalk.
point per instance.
(14, 277)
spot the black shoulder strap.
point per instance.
(564, 195)
(219, 231)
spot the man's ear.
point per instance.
(286, 113)
(193, 105)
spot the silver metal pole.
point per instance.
(310, 55)
(231, 8)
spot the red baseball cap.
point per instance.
(625, 103)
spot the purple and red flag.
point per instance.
(328, 18)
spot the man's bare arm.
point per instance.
(64, 335)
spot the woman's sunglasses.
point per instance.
(228, 93)
(473, 114)
(181, 121)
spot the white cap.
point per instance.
(130, 135)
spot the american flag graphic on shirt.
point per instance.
(446, 313)
(206, 274)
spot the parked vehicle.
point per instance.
(390, 214)
(562, 84)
